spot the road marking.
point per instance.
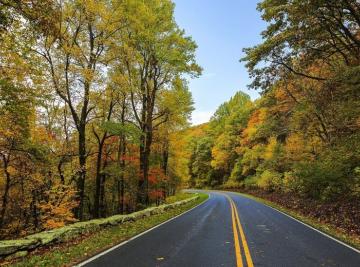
(243, 238)
(83, 263)
(291, 217)
(236, 222)
(239, 262)
(316, 230)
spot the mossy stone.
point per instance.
(10, 246)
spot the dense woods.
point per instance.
(90, 92)
(303, 135)
(95, 109)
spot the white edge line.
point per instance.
(317, 230)
(138, 235)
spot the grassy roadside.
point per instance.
(178, 197)
(75, 251)
(352, 240)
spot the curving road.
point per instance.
(230, 230)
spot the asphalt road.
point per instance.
(231, 230)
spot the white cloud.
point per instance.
(199, 117)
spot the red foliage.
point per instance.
(156, 194)
(156, 175)
(130, 158)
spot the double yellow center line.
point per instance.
(237, 228)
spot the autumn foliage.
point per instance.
(302, 136)
(89, 96)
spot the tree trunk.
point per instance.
(141, 194)
(6, 192)
(34, 208)
(82, 172)
(165, 157)
(121, 182)
(143, 173)
(102, 191)
(96, 211)
(143, 185)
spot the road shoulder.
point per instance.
(79, 250)
(325, 229)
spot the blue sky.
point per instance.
(221, 30)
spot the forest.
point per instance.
(95, 109)
(90, 92)
(302, 136)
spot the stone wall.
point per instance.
(21, 247)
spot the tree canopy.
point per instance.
(302, 134)
(91, 92)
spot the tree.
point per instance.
(301, 33)
(15, 111)
(160, 52)
(181, 152)
(90, 93)
(226, 125)
(74, 60)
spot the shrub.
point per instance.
(324, 179)
(290, 182)
(236, 173)
(269, 180)
(232, 184)
(251, 182)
